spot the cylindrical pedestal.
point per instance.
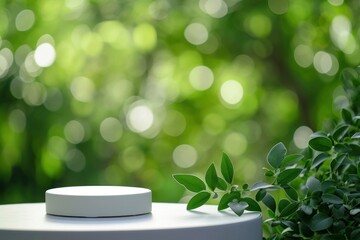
(98, 201)
(166, 221)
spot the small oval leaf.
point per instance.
(291, 160)
(269, 201)
(276, 155)
(288, 175)
(331, 198)
(356, 135)
(253, 205)
(347, 115)
(320, 222)
(260, 195)
(313, 184)
(198, 200)
(238, 207)
(263, 185)
(190, 182)
(227, 169)
(282, 204)
(289, 209)
(337, 162)
(211, 177)
(340, 132)
(320, 142)
(306, 209)
(320, 159)
(354, 211)
(290, 192)
(226, 199)
(221, 184)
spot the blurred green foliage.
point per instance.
(128, 92)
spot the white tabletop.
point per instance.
(167, 221)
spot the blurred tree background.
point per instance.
(128, 92)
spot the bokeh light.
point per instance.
(279, 6)
(340, 32)
(231, 92)
(25, 20)
(303, 55)
(325, 63)
(235, 144)
(196, 33)
(83, 89)
(74, 132)
(127, 93)
(6, 60)
(185, 156)
(302, 136)
(111, 129)
(201, 78)
(17, 120)
(215, 8)
(140, 118)
(75, 160)
(133, 159)
(45, 55)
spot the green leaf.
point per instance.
(333, 237)
(355, 149)
(290, 192)
(211, 177)
(289, 209)
(276, 155)
(305, 230)
(320, 142)
(263, 185)
(221, 184)
(260, 195)
(269, 173)
(340, 132)
(238, 207)
(198, 200)
(226, 199)
(342, 148)
(291, 160)
(282, 204)
(253, 205)
(356, 135)
(315, 199)
(190, 182)
(347, 115)
(338, 212)
(331, 198)
(288, 175)
(269, 201)
(306, 209)
(337, 162)
(355, 234)
(327, 184)
(227, 169)
(320, 222)
(313, 184)
(319, 159)
(358, 169)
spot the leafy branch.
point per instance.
(324, 201)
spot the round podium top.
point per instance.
(166, 221)
(98, 201)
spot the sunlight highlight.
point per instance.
(45, 55)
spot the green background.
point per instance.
(129, 92)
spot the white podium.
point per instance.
(167, 221)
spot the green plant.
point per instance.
(311, 195)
